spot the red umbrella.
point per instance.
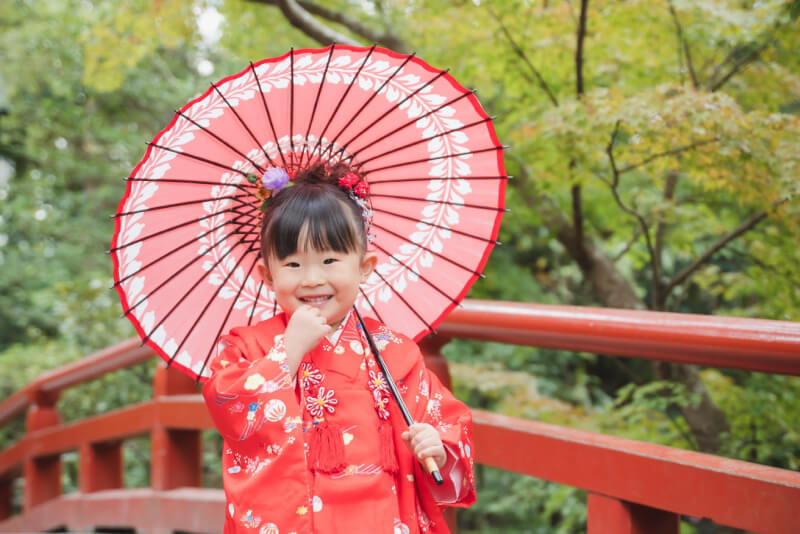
(187, 229)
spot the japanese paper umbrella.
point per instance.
(187, 229)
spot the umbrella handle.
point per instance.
(429, 463)
(433, 470)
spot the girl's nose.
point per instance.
(312, 277)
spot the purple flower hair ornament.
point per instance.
(274, 179)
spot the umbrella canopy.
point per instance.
(187, 229)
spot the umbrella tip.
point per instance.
(483, 277)
(510, 177)
(498, 243)
(506, 147)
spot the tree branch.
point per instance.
(305, 22)
(577, 203)
(685, 43)
(747, 54)
(579, 48)
(387, 39)
(670, 152)
(614, 184)
(524, 57)
(299, 14)
(636, 235)
(747, 58)
(721, 242)
(690, 269)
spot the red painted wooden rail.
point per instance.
(633, 487)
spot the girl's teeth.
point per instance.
(315, 300)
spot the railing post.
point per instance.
(431, 347)
(607, 515)
(101, 466)
(42, 474)
(6, 497)
(176, 456)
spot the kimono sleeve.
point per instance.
(245, 389)
(435, 404)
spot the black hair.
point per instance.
(316, 209)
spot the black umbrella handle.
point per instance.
(429, 462)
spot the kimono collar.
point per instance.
(333, 337)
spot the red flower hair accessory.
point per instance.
(361, 189)
(349, 181)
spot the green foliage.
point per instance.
(516, 504)
(84, 84)
(762, 410)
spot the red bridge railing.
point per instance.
(634, 487)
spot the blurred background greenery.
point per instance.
(655, 153)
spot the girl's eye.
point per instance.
(328, 261)
(293, 264)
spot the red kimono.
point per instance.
(273, 483)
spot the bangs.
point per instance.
(309, 220)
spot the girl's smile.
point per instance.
(325, 279)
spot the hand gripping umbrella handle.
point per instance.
(429, 463)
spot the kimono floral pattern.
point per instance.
(264, 415)
(324, 400)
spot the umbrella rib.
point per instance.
(240, 186)
(371, 305)
(221, 140)
(179, 225)
(400, 296)
(373, 183)
(392, 109)
(194, 286)
(365, 104)
(199, 158)
(408, 268)
(409, 123)
(446, 202)
(416, 220)
(255, 303)
(291, 100)
(186, 244)
(269, 117)
(241, 121)
(190, 262)
(186, 203)
(344, 96)
(222, 325)
(434, 158)
(316, 103)
(405, 239)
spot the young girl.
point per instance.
(313, 440)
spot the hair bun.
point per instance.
(323, 173)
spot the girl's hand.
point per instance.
(423, 441)
(305, 330)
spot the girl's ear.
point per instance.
(263, 270)
(368, 263)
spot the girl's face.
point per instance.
(325, 279)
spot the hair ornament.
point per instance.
(358, 190)
(349, 181)
(273, 180)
